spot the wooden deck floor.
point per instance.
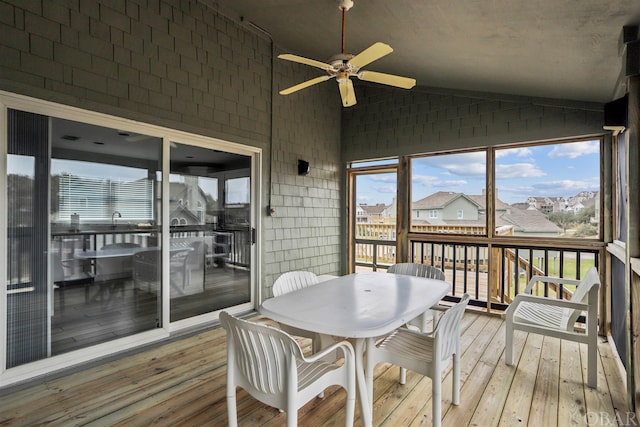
(182, 383)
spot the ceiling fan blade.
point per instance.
(304, 85)
(347, 93)
(370, 54)
(387, 79)
(306, 61)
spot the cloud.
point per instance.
(383, 177)
(575, 149)
(433, 181)
(386, 188)
(567, 187)
(518, 170)
(518, 152)
(462, 164)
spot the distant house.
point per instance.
(584, 200)
(188, 203)
(452, 208)
(390, 210)
(529, 222)
(373, 213)
(458, 209)
(361, 214)
(547, 204)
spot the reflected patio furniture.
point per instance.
(269, 365)
(147, 269)
(427, 354)
(219, 252)
(111, 272)
(557, 318)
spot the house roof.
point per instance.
(530, 221)
(374, 209)
(439, 200)
(442, 198)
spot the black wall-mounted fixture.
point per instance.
(303, 167)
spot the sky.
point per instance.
(556, 170)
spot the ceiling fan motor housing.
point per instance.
(345, 4)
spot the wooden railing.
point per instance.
(492, 274)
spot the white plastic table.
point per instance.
(362, 306)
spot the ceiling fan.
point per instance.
(345, 65)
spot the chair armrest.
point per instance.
(344, 346)
(548, 279)
(520, 298)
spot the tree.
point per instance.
(585, 215)
(562, 219)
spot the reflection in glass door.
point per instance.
(373, 220)
(81, 209)
(211, 234)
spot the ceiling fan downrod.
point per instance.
(344, 5)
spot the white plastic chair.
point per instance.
(556, 318)
(292, 281)
(269, 364)
(418, 270)
(425, 353)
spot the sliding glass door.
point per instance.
(210, 217)
(88, 206)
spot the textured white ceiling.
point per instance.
(568, 49)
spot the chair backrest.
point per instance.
(262, 355)
(418, 270)
(447, 331)
(292, 281)
(590, 280)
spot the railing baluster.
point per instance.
(432, 254)
(466, 259)
(442, 246)
(546, 272)
(516, 272)
(502, 281)
(455, 259)
(477, 272)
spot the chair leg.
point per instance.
(403, 376)
(231, 410)
(455, 387)
(351, 405)
(592, 363)
(292, 415)
(316, 346)
(508, 350)
(436, 398)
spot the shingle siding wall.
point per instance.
(388, 122)
(304, 233)
(182, 65)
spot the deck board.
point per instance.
(182, 383)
